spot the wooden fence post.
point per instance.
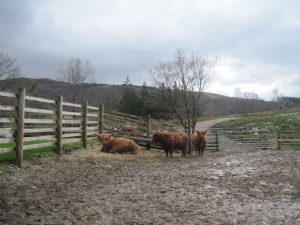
(59, 104)
(84, 123)
(101, 118)
(278, 139)
(217, 141)
(148, 130)
(20, 126)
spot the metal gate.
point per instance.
(242, 140)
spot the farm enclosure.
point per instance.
(30, 122)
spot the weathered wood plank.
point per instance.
(289, 140)
(91, 138)
(71, 121)
(6, 140)
(71, 129)
(92, 122)
(71, 140)
(7, 120)
(5, 130)
(40, 111)
(101, 118)
(43, 145)
(72, 104)
(93, 108)
(7, 94)
(84, 123)
(59, 124)
(20, 126)
(93, 115)
(8, 149)
(40, 121)
(72, 135)
(38, 99)
(92, 133)
(40, 138)
(38, 130)
(92, 128)
(71, 113)
(7, 108)
(6, 135)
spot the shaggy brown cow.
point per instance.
(171, 140)
(118, 145)
(199, 140)
(134, 130)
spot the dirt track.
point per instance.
(90, 187)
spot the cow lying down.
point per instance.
(133, 130)
(118, 145)
(171, 140)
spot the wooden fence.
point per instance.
(30, 122)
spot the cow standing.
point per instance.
(200, 140)
(171, 140)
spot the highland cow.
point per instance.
(133, 130)
(171, 140)
(200, 140)
(118, 145)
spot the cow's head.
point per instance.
(201, 133)
(104, 138)
(156, 136)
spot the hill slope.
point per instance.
(213, 104)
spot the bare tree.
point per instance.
(279, 98)
(183, 81)
(75, 72)
(237, 93)
(8, 66)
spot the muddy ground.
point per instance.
(90, 187)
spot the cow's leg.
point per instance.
(104, 148)
(201, 151)
(197, 150)
(167, 152)
(183, 154)
(171, 152)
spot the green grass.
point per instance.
(288, 120)
(45, 151)
(11, 156)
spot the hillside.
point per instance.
(213, 104)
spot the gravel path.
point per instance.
(209, 123)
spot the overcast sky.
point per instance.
(257, 42)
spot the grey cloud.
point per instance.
(123, 38)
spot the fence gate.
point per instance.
(242, 140)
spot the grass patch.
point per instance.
(3, 168)
(71, 147)
(11, 156)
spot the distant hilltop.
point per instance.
(95, 94)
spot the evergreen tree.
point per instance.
(144, 101)
(130, 101)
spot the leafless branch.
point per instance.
(8, 67)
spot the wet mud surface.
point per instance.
(90, 187)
